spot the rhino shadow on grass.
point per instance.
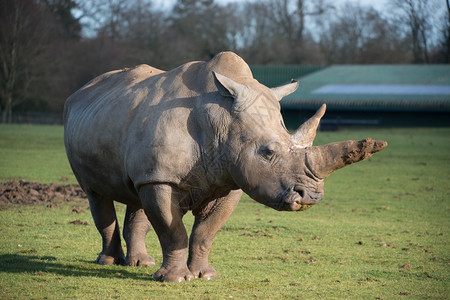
(192, 138)
(33, 264)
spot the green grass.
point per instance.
(33, 153)
(381, 232)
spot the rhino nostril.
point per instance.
(300, 191)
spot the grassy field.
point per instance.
(33, 153)
(381, 232)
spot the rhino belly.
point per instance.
(96, 160)
(99, 179)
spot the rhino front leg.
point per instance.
(206, 225)
(135, 230)
(162, 208)
(104, 215)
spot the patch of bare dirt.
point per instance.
(24, 192)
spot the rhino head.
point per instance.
(273, 166)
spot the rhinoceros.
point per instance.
(193, 138)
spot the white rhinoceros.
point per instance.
(192, 138)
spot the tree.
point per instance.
(32, 34)
(289, 18)
(49, 48)
(196, 30)
(22, 39)
(61, 10)
(255, 33)
(276, 31)
(443, 49)
(416, 15)
(359, 34)
(142, 34)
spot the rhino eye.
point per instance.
(267, 152)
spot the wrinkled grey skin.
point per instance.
(191, 138)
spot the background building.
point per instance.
(365, 95)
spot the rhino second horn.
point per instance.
(324, 160)
(305, 134)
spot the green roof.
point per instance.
(273, 76)
(375, 87)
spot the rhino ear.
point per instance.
(284, 90)
(233, 88)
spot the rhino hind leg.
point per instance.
(207, 223)
(162, 207)
(104, 215)
(135, 229)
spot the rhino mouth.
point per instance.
(297, 199)
(295, 206)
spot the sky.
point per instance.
(378, 4)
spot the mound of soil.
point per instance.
(24, 192)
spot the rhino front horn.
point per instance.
(323, 160)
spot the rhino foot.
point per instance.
(104, 259)
(174, 274)
(142, 259)
(205, 272)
